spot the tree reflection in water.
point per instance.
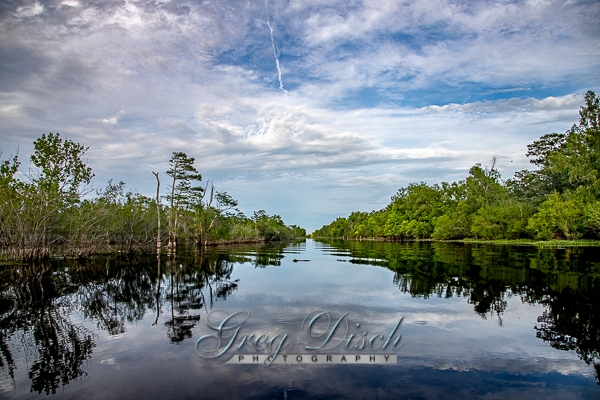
(36, 306)
(38, 301)
(190, 276)
(566, 281)
(571, 322)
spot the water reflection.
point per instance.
(261, 255)
(565, 280)
(49, 310)
(38, 302)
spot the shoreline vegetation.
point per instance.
(511, 242)
(556, 204)
(52, 210)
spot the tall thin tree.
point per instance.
(158, 241)
(183, 173)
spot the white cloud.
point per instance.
(70, 3)
(114, 119)
(30, 11)
(568, 103)
(201, 78)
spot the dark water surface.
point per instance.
(478, 321)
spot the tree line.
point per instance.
(560, 199)
(52, 209)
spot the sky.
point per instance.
(307, 109)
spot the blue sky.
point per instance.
(307, 109)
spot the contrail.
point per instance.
(276, 59)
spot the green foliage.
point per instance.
(183, 193)
(134, 223)
(9, 201)
(61, 168)
(8, 169)
(45, 213)
(591, 214)
(533, 187)
(451, 226)
(297, 231)
(576, 154)
(571, 212)
(357, 225)
(502, 221)
(33, 208)
(182, 170)
(560, 216)
(271, 228)
(561, 199)
(483, 187)
(413, 210)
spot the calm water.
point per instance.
(477, 322)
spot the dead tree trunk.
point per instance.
(158, 241)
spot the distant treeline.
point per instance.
(558, 200)
(43, 212)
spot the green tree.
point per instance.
(183, 173)
(271, 228)
(503, 220)
(211, 214)
(455, 221)
(32, 208)
(57, 181)
(61, 170)
(571, 160)
(569, 169)
(461, 201)
(579, 156)
(412, 211)
(297, 231)
(484, 187)
(561, 216)
(9, 202)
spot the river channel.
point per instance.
(311, 319)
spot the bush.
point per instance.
(560, 216)
(451, 226)
(501, 221)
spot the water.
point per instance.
(477, 321)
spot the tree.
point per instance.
(298, 231)
(560, 216)
(502, 220)
(270, 228)
(569, 170)
(61, 170)
(484, 187)
(571, 160)
(31, 209)
(204, 214)
(183, 172)
(158, 240)
(8, 200)
(412, 211)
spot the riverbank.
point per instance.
(8, 257)
(512, 242)
(532, 242)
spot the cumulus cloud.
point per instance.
(568, 103)
(114, 119)
(379, 93)
(29, 10)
